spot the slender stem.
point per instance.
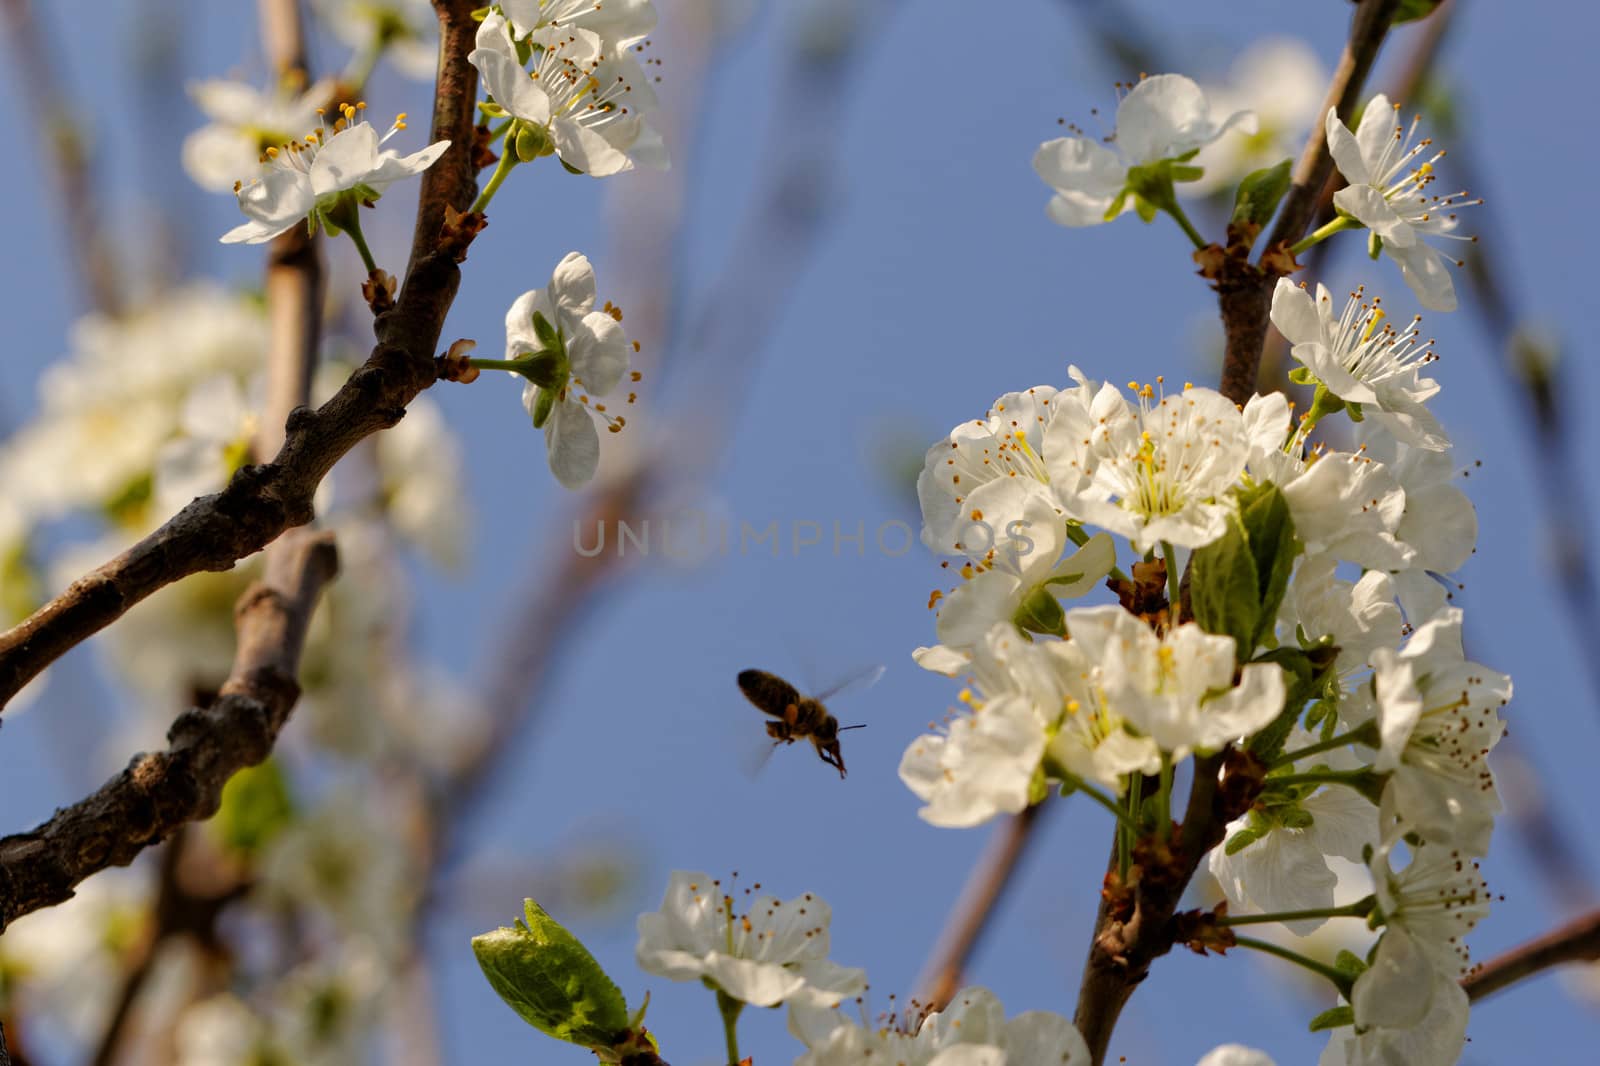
(508, 159)
(1174, 585)
(1359, 909)
(1176, 211)
(1361, 735)
(362, 64)
(730, 1008)
(1165, 803)
(1352, 778)
(354, 230)
(1342, 980)
(1338, 225)
(1122, 816)
(511, 365)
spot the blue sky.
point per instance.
(937, 285)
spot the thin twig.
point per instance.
(214, 532)
(1577, 941)
(161, 791)
(986, 884)
(46, 104)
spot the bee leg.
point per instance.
(832, 756)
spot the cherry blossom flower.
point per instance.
(1280, 80)
(1387, 194)
(775, 952)
(1166, 117)
(1157, 473)
(620, 23)
(586, 102)
(584, 355)
(1362, 360)
(324, 178)
(406, 30)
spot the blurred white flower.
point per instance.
(619, 23)
(217, 425)
(407, 30)
(1282, 82)
(245, 122)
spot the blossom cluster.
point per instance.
(1279, 596)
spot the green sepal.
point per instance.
(256, 806)
(1146, 210)
(481, 13)
(1302, 375)
(569, 168)
(1240, 840)
(1354, 410)
(1333, 1018)
(532, 142)
(1041, 612)
(549, 336)
(1348, 962)
(1374, 245)
(1297, 818)
(547, 369)
(1259, 194)
(1182, 173)
(543, 404)
(549, 978)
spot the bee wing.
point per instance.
(856, 682)
(756, 758)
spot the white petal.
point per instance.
(573, 443)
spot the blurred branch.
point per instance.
(986, 884)
(1577, 941)
(214, 532)
(46, 104)
(161, 791)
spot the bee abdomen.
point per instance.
(767, 691)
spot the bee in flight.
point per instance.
(801, 717)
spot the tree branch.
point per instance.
(214, 532)
(1577, 941)
(45, 103)
(1244, 291)
(159, 792)
(987, 882)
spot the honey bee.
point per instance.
(801, 717)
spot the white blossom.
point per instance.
(591, 101)
(1006, 443)
(1158, 472)
(1282, 82)
(1163, 117)
(1436, 899)
(1178, 689)
(620, 23)
(1407, 1012)
(1438, 717)
(245, 122)
(1362, 359)
(972, 1031)
(1387, 194)
(596, 353)
(1359, 617)
(310, 178)
(407, 29)
(774, 952)
(1437, 523)
(216, 426)
(1235, 1055)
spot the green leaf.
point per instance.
(1301, 681)
(1333, 1018)
(1259, 194)
(256, 806)
(1270, 531)
(551, 981)
(1224, 588)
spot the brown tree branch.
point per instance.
(214, 532)
(1134, 924)
(1577, 941)
(1244, 291)
(46, 104)
(987, 882)
(159, 792)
